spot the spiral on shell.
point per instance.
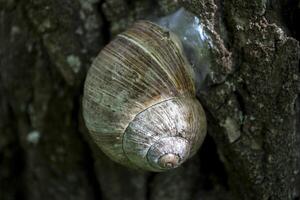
(139, 101)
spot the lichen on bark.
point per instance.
(251, 152)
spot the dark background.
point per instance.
(252, 148)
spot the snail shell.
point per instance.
(139, 101)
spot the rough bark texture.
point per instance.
(251, 152)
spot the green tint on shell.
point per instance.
(138, 91)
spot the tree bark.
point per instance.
(251, 102)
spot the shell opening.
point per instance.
(168, 153)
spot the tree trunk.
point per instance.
(253, 143)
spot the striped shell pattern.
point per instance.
(139, 101)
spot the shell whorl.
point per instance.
(172, 127)
(143, 70)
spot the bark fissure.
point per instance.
(252, 102)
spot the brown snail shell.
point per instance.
(139, 100)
